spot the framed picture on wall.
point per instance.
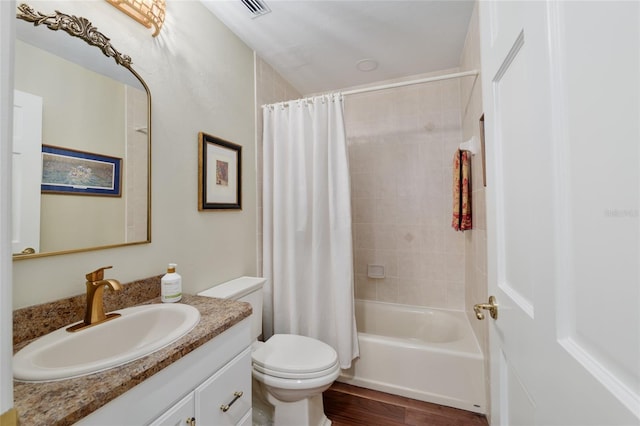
(219, 173)
(68, 171)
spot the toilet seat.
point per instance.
(302, 384)
(290, 356)
(295, 376)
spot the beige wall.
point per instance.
(401, 146)
(201, 79)
(270, 88)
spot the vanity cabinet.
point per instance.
(224, 399)
(194, 386)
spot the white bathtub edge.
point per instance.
(411, 393)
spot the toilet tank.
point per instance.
(244, 289)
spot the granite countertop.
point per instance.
(65, 402)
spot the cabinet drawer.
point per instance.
(178, 414)
(231, 386)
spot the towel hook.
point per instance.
(470, 146)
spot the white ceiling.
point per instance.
(316, 44)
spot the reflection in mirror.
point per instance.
(94, 109)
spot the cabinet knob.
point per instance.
(226, 407)
(191, 421)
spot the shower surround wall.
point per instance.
(401, 145)
(476, 240)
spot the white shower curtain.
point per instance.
(307, 246)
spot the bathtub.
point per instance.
(426, 354)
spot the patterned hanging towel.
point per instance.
(461, 191)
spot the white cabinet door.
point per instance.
(561, 93)
(225, 398)
(247, 420)
(181, 414)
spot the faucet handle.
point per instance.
(98, 274)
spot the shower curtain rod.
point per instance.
(394, 85)
(411, 82)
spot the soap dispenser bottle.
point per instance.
(171, 285)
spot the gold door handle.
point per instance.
(492, 307)
(191, 421)
(28, 250)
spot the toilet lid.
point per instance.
(289, 353)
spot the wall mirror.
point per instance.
(82, 140)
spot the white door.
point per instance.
(561, 92)
(27, 171)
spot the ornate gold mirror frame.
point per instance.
(76, 26)
(82, 28)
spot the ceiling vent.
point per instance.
(256, 7)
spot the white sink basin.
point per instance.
(140, 331)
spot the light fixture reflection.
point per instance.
(149, 13)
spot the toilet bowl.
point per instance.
(293, 371)
(290, 371)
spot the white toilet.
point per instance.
(289, 371)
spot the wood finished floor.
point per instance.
(347, 405)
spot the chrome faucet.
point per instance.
(94, 313)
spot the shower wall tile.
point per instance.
(387, 290)
(429, 97)
(455, 295)
(450, 95)
(430, 155)
(435, 294)
(385, 237)
(362, 235)
(387, 212)
(411, 266)
(454, 266)
(409, 238)
(375, 236)
(364, 210)
(432, 239)
(437, 211)
(401, 144)
(365, 288)
(410, 291)
(433, 185)
(408, 187)
(453, 242)
(384, 185)
(410, 211)
(387, 258)
(362, 185)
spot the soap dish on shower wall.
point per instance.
(375, 271)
